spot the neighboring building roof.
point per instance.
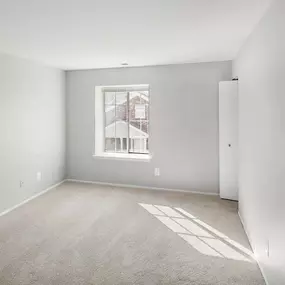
(122, 130)
(124, 101)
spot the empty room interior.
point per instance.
(142, 142)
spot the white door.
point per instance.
(228, 139)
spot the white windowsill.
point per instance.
(124, 156)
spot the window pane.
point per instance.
(142, 95)
(121, 112)
(139, 124)
(116, 120)
(147, 111)
(138, 105)
(145, 94)
(109, 144)
(110, 128)
(124, 144)
(137, 146)
(127, 117)
(121, 98)
(140, 111)
(110, 114)
(110, 98)
(118, 145)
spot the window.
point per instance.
(122, 119)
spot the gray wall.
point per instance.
(184, 126)
(261, 70)
(32, 128)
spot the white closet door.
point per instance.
(228, 139)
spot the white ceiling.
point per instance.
(83, 34)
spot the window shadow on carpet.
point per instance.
(199, 235)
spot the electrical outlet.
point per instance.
(156, 171)
(21, 183)
(39, 176)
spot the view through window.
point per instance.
(126, 120)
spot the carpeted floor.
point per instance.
(87, 234)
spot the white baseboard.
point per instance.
(31, 198)
(252, 247)
(141, 187)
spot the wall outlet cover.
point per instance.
(156, 171)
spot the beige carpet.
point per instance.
(87, 234)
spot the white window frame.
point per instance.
(99, 150)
